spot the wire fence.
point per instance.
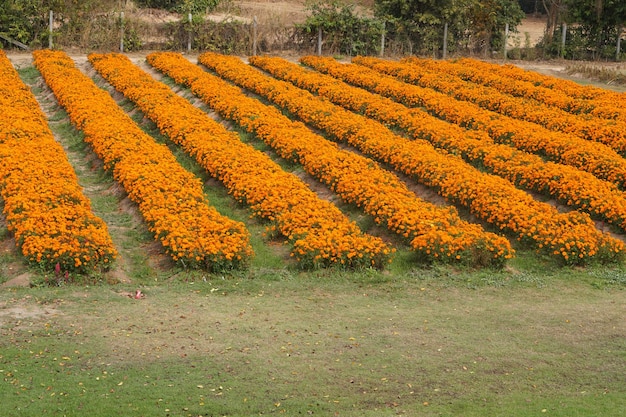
(233, 35)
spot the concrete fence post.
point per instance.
(254, 36)
(50, 24)
(319, 41)
(189, 18)
(122, 32)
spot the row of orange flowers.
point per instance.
(603, 98)
(598, 159)
(571, 88)
(609, 132)
(551, 109)
(170, 199)
(319, 232)
(43, 204)
(473, 72)
(571, 237)
(564, 94)
(569, 185)
(433, 232)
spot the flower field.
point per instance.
(601, 199)
(571, 236)
(442, 77)
(320, 233)
(430, 230)
(500, 146)
(43, 204)
(566, 95)
(170, 198)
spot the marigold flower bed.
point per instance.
(170, 199)
(44, 205)
(564, 94)
(319, 232)
(611, 133)
(571, 237)
(595, 158)
(571, 186)
(570, 88)
(435, 233)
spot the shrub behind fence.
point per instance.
(113, 31)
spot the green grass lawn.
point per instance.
(425, 342)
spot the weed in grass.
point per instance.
(606, 278)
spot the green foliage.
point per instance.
(197, 6)
(600, 23)
(181, 6)
(227, 37)
(158, 4)
(592, 32)
(344, 31)
(91, 24)
(27, 21)
(132, 40)
(490, 17)
(531, 6)
(598, 15)
(412, 21)
(23, 20)
(421, 22)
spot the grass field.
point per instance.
(531, 339)
(431, 342)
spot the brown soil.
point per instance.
(13, 312)
(533, 27)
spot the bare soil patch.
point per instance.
(287, 12)
(18, 311)
(533, 27)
